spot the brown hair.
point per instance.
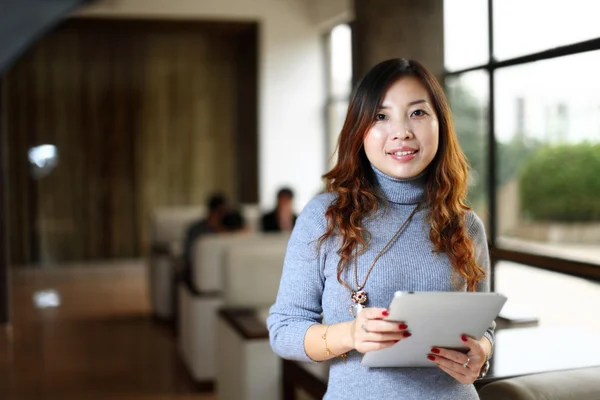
(353, 179)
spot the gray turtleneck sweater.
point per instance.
(309, 287)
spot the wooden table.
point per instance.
(517, 352)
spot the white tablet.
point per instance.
(435, 319)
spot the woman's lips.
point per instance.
(403, 156)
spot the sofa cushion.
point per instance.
(209, 251)
(578, 384)
(252, 274)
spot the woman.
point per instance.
(394, 218)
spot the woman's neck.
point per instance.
(401, 191)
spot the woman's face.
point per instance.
(404, 137)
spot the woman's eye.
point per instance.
(418, 113)
(380, 117)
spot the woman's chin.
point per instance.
(403, 173)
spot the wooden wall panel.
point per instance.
(247, 112)
(186, 151)
(143, 115)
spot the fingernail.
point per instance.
(385, 313)
(396, 341)
(432, 358)
(464, 338)
(407, 334)
(402, 326)
(434, 350)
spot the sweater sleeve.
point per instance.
(298, 305)
(482, 254)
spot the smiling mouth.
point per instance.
(403, 153)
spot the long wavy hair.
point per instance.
(353, 179)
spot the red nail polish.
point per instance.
(396, 341)
(385, 313)
(432, 358)
(434, 350)
(402, 326)
(464, 338)
(407, 334)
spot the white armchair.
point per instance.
(221, 265)
(168, 230)
(247, 368)
(168, 227)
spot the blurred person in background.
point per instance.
(282, 218)
(395, 218)
(218, 208)
(234, 222)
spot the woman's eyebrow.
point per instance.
(412, 103)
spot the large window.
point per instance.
(338, 45)
(526, 102)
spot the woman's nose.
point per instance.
(401, 131)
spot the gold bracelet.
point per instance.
(327, 351)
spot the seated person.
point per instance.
(282, 218)
(233, 222)
(213, 223)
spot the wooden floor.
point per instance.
(100, 343)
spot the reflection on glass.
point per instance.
(465, 33)
(341, 61)
(529, 26)
(548, 157)
(468, 95)
(42, 159)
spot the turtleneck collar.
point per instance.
(401, 191)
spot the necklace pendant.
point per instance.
(359, 297)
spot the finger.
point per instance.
(473, 364)
(473, 344)
(459, 377)
(365, 347)
(384, 326)
(453, 355)
(477, 350)
(383, 337)
(451, 365)
(373, 313)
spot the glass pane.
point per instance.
(465, 33)
(336, 114)
(469, 97)
(340, 61)
(528, 26)
(548, 143)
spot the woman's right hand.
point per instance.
(370, 332)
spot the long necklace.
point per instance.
(359, 296)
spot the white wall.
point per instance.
(328, 13)
(291, 82)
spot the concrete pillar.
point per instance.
(386, 29)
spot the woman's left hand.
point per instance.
(463, 367)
